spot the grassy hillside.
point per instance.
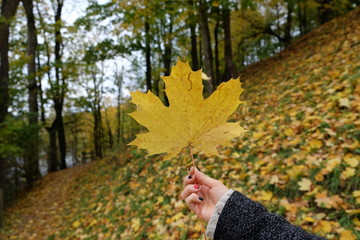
(300, 158)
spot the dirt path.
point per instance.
(39, 214)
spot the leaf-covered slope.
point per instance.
(300, 157)
(303, 112)
(40, 212)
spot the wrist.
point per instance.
(210, 229)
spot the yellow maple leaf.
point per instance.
(325, 226)
(344, 102)
(160, 199)
(289, 132)
(332, 163)
(320, 175)
(356, 193)
(189, 120)
(352, 161)
(325, 201)
(76, 224)
(135, 224)
(274, 179)
(305, 184)
(295, 171)
(356, 221)
(348, 172)
(93, 222)
(265, 195)
(347, 235)
(353, 211)
(309, 219)
(315, 144)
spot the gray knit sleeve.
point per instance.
(242, 218)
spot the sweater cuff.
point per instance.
(210, 229)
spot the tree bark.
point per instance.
(229, 64)
(61, 138)
(168, 49)
(288, 25)
(148, 56)
(109, 130)
(325, 11)
(8, 10)
(52, 155)
(200, 53)
(97, 132)
(216, 80)
(192, 26)
(74, 130)
(166, 35)
(119, 80)
(301, 15)
(32, 171)
(206, 41)
(60, 85)
(96, 111)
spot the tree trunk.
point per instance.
(192, 25)
(288, 25)
(229, 64)
(96, 111)
(32, 171)
(122, 136)
(168, 50)
(148, 56)
(109, 130)
(216, 80)
(301, 15)
(206, 41)
(325, 11)
(52, 155)
(97, 132)
(61, 138)
(60, 85)
(8, 10)
(119, 80)
(167, 53)
(52, 152)
(74, 131)
(200, 53)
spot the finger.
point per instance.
(189, 189)
(188, 180)
(203, 179)
(192, 200)
(190, 169)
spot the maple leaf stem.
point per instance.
(200, 215)
(192, 158)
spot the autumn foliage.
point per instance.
(300, 157)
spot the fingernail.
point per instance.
(190, 177)
(196, 186)
(201, 198)
(198, 168)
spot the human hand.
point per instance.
(201, 193)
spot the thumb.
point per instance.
(204, 179)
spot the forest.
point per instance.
(66, 72)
